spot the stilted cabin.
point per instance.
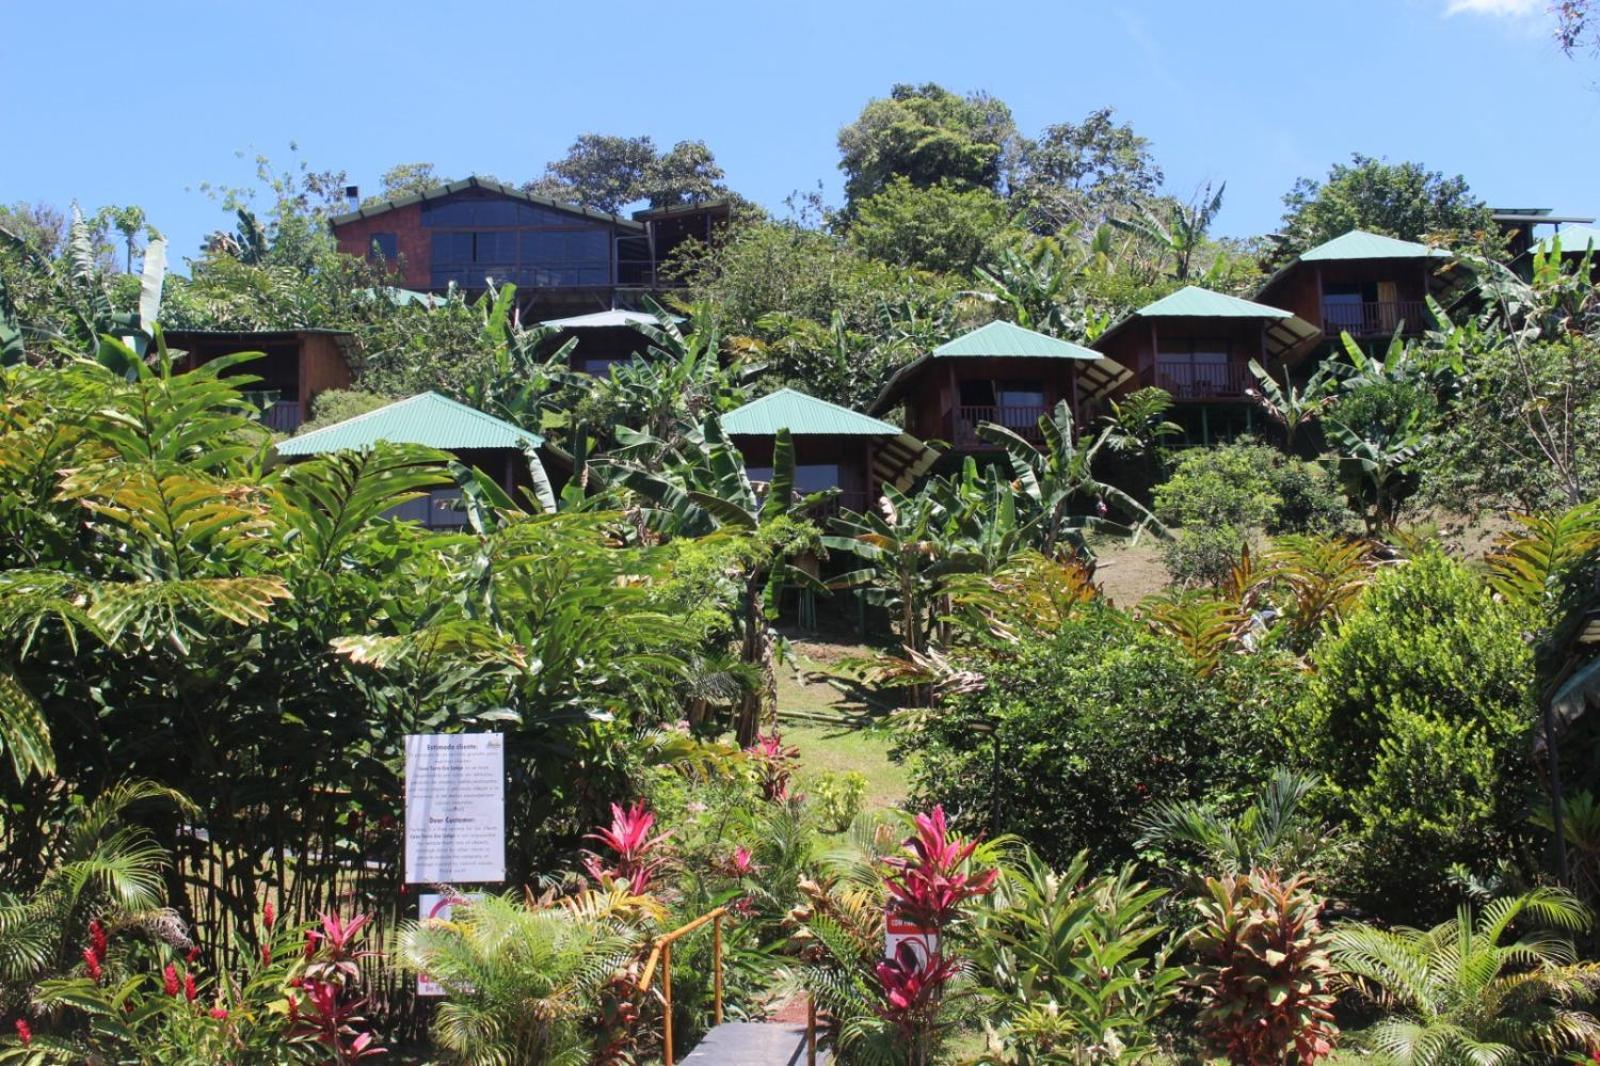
(1197, 345)
(484, 442)
(298, 364)
(1362, 283)
(563, 258)
(605, 338)
(1576, 242)
(1519, 226)
(999, 373)
(834, 447)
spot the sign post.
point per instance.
(455, 808)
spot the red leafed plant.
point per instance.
(330, 1012)
(1264, 971)
(931, 883)
(634, 857)
(774, 763)
(912, 985)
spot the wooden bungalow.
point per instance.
(482, 441)
(997, 373)
(1197, 345)
(605, 338)
(297, 365)
(1362, 283)
(835, 447)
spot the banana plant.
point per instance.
(710, 493)
(1293, 408)
(1182, 232)
(1059, 472)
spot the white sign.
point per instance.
(455, 808)
(897, 931)
(431, 905)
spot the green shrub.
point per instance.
(337, 405)
(1096, 725)
(1204, 555)
(1247, 486)
(1419, 715)
(838, 797)
(1312, 501)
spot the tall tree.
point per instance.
(406, 178)
(688, 174)
(599, 171)
(1084, 172)
(927, 134)
(941, 227)
(1405, 200)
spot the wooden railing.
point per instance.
(1021, 420)
(1200, 381)
(277, 414)
(1376, 318)
(661, 955)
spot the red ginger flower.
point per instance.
(91, 962)
(192, 954)
(24, 1032)
(189, 990)
(931, 887)
(219, 1012)
(169, 980)
(98, 941)
(269, 914)
(266, 954)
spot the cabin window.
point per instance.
(1342, 304)
(384, 246)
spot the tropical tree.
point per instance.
(1037, 286)
(1460, 994)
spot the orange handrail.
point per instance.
(662, 953)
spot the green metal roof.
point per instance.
(453, 187)
(1359, 244)
(1191, 301)
(802, 415)
(1008, 340)
(1575, 240)
(427, 419)
(605, 320)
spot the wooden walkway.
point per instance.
(753, 1044)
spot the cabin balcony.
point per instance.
(837, 504)
(1199, 381)
(1023, 420)
(1374, 318)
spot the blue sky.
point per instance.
(116, 103)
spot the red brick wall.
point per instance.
(355, 238)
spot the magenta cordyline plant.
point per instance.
(774, 763)
(929, 886)
(325, 1009)
(634, 857)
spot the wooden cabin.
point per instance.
(1575, 241)
(605, 338)
(297, 365)
(835, 447)
(1519, 227)
(1197, 345)
(481, 441)
(562, 257)
(1362, 283)
(998, 373)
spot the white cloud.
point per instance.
(1502, 8)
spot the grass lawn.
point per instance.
(832, 725)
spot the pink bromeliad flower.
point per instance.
(633, 859)
(741, 863)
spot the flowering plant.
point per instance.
(634, 857)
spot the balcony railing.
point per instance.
(1200, 381)
(277, 414)
(1021, 420)
(1374, 319)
